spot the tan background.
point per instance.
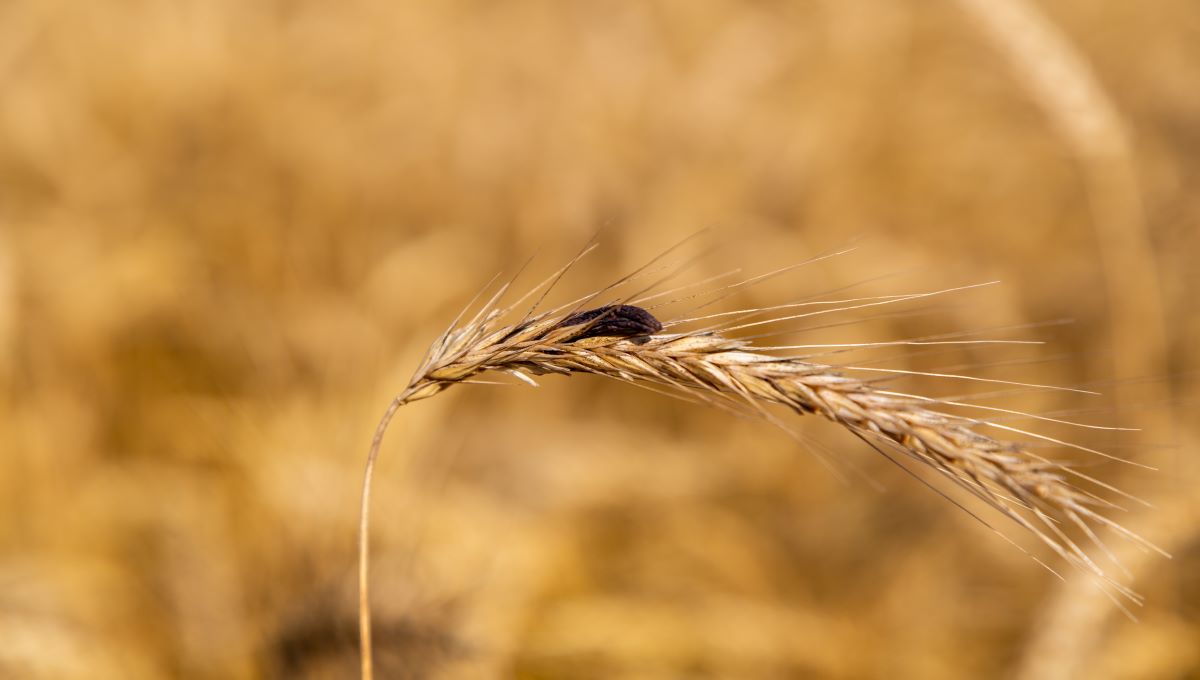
(229, 229)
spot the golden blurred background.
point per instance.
(228, 231)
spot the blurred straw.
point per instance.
(1061, 81)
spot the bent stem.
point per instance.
(364, 599)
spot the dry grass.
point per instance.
(712, 365)
(229, 230)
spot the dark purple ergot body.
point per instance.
(614, 320)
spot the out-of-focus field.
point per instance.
(228, 230)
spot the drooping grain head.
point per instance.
(625, 342)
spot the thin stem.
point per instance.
(364, 599)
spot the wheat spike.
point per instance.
(626, 343)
